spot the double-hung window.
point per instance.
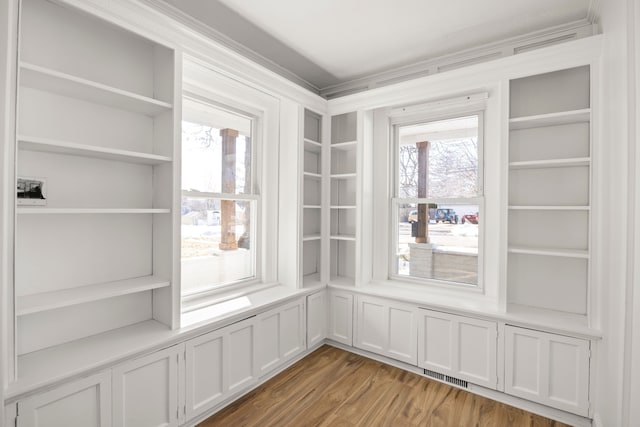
(437, 204)
(220, 203)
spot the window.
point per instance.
(437, 208)
(220, 204)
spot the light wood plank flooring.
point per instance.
(332, 387)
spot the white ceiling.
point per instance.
(327, 42)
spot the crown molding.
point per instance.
(220, 38)
(508, 47)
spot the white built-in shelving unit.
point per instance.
(312, 208)
(96, 122)
(550, 191)
(343, 197)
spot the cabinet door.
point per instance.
(86, 402)
(218, 364)
(145, 390)
(388, 328)
(281, 335)
(458, 346)
(316, 318)
(547, 368)
(240, 355)
(341, 317)
(205, 373)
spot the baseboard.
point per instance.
(597, 421)
(533, 407)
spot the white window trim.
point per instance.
(439, 110)
(252, 107)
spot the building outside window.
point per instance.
(220, 204)
(437, 208)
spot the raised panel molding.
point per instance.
(458, 346)
(145, 390)
(316, 318)
(281, 335)
(547, 368)
(387, 328)
(85, 402)
(341, 317)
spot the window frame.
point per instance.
(399, 120)
(197, 299)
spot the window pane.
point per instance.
(217, 243)
(439, 159)
(216, 150)
(438, 242)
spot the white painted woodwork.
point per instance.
(281, 335)
(343, 192)
(387, 327)
(66, 147)
(458, 346)
(68, 85)
(219, 364)
(205, 372)
(549, 190)
(316, 318)
(242, 353)
(85, 402)
(145, 390)
(10, 414)
(340, 320)
(312, 210)
(97, 120)
(547, 368)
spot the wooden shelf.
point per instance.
(39, 210)
(29, 304)
(311, 237)
(48, 80)
(349, 145)
(548, 208)
(343, 175)
(552, 119)
(312, 146)
(553, 163)
(342, 281)
(343, 237)
(312, 175)
(567, 253)
(311, 280)
(42, 367)
(31, 143)
(312, 207)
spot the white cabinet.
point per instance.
(316, 318)
(547, 368)
(387, 328)
(281, 335)
(145, 390)
(85, 402)
(218, 364)
(340, 317)
(457, 346)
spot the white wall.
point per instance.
(631, 409)
(6, 41)
(619, 250)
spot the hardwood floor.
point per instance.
(332, 387)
